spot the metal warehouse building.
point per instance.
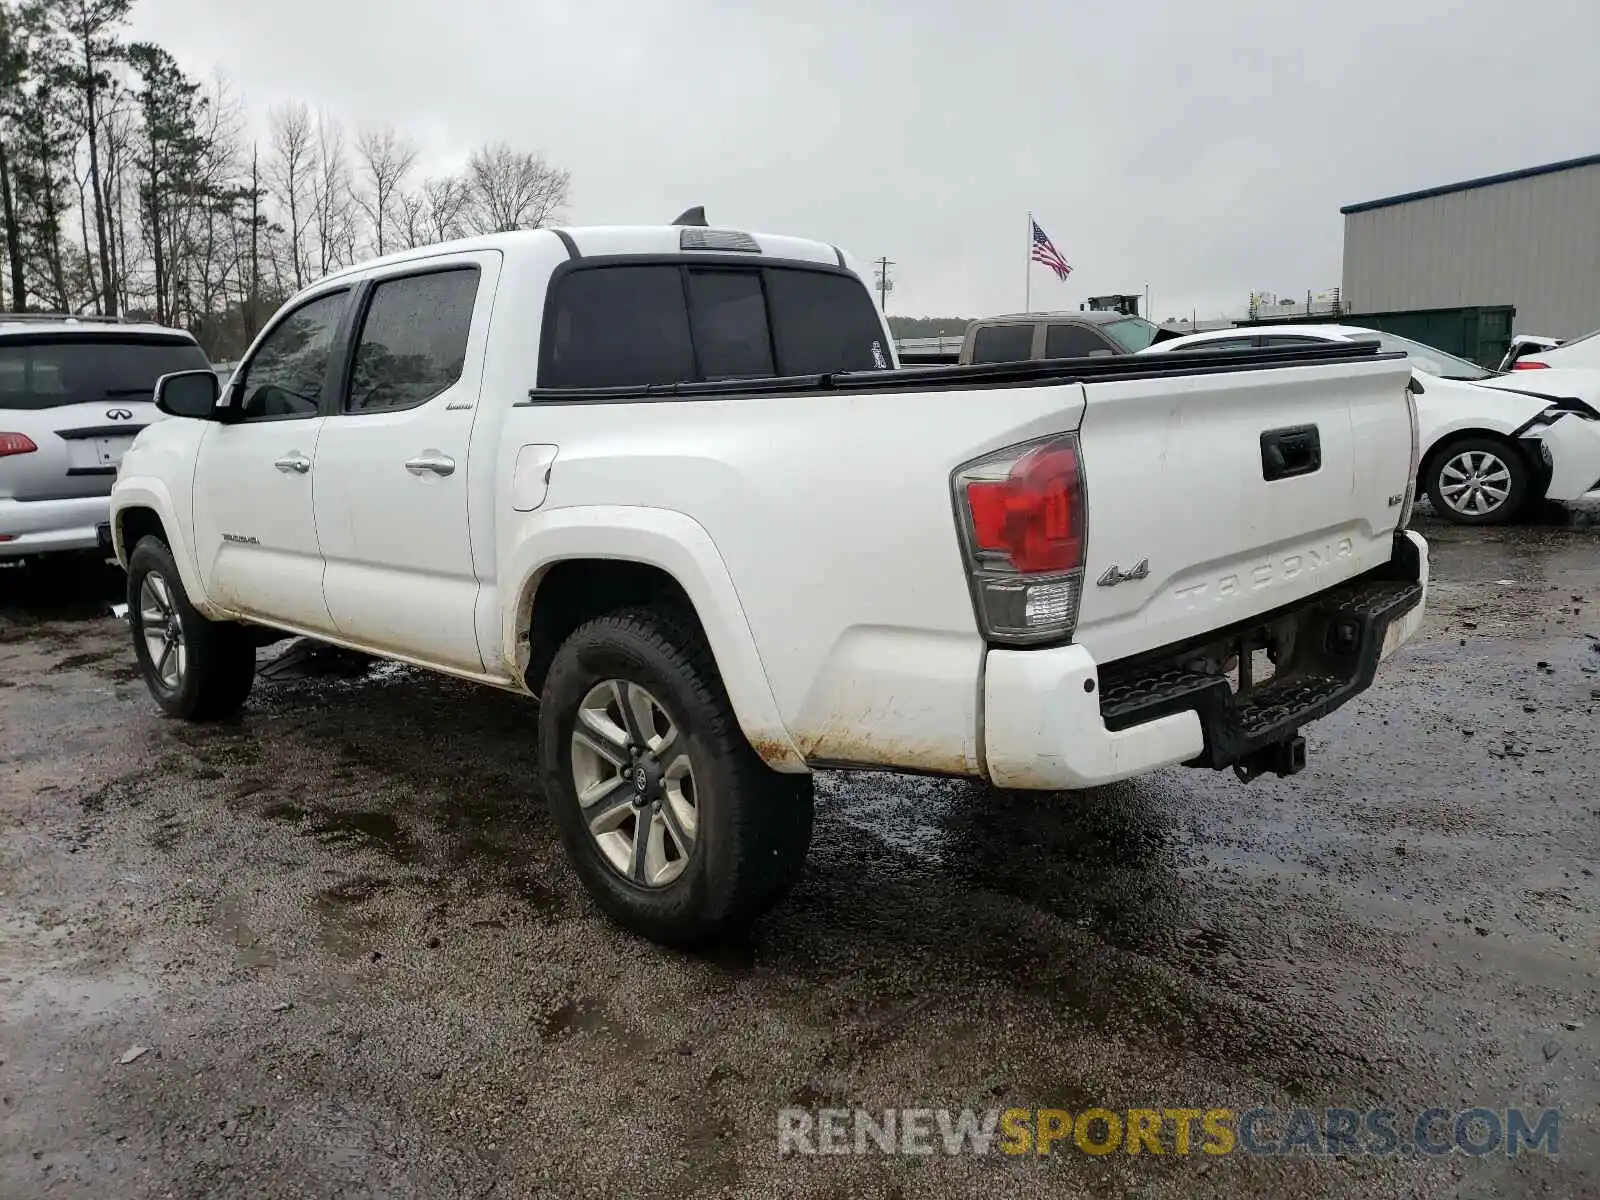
(1528, 238)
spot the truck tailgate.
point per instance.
(1214, 497)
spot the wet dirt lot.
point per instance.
(343, 932)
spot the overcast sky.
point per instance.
(1202, 148)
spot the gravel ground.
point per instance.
(343, 932)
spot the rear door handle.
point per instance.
(1295, 450)
(294, 461)
(431, 461)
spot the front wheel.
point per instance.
(196, 669)
(674, 825)
(1479, 481)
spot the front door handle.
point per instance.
(294, 461)
(431, 461)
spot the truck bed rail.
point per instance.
(1036, 373)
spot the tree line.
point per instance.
(127, 187)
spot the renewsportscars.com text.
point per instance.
(1169, 1131)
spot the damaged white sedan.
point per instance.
(1492, 444)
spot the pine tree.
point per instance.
(168, 157)
(88, 32)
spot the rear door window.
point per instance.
(51, 372)
(1073, 341)
(1003, 343)
(413, 341)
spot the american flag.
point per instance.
(1044, 251)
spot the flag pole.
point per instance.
(1027, 289)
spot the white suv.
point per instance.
(73, 393)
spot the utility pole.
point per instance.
(885, 284)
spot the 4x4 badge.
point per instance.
(1114, 575)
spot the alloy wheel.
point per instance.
(162, 629)
(1475, 482)
(635, 782)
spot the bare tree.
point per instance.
(384, 162)
(512, 189)
(447, 200)
(289, 170)
(127, 186)
(331, 203)
(411, 220)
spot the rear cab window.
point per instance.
(686, 321)
(55, 370)
(1216, 345)
(728, 320)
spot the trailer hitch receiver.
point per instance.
(1284, 758)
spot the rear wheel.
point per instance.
(1479, 481)
(196, 669)
(675, 826)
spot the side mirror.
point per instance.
(188, 394)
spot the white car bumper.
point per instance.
(49, 526)
(1574, 458)
(1045, 711)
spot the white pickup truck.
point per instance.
(670, 482)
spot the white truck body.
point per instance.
(814, 525)
(814, 534)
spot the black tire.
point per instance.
(220, 664)
(753, 823)
(1516, 499)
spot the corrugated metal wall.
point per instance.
(1533, 243)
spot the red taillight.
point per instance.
(1033, 516)
(1525, 365)
(1022, 516)
(16, 443)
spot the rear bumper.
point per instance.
(1055, 719)
(51, 526)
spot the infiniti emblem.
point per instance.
(119, 414)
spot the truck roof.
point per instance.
(15, 324)
(1092, 316)
(594, 240)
